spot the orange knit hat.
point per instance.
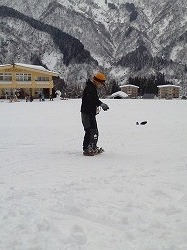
(99, 78)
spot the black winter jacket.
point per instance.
(90, 99)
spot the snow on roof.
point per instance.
(5, 65)
(119, 93)
(169, 85)
(36, 67)
(129, 85)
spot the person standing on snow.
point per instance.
(90, 103)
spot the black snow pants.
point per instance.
(91, 131)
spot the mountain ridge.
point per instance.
(117, 36)
(75, 47)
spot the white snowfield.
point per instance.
(131, 197)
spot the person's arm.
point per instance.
(93, 96)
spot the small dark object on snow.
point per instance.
(141, 123)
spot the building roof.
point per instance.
(129, 85)
(30, 66)
(119, 93)
(169, 85)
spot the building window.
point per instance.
(42, 78)
(23, 77)
(5, 77)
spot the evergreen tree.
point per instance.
(148, 85)
(115, 87)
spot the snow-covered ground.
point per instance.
(131, 197)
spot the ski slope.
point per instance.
(131, 197)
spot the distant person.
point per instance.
(90, 103)
(31, 98)
(15, 98)
(40, 97)
(43, 97)
(51, 97)
(27, 98)
(11, 98)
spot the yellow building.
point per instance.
(168, 91)
(25, 79)
(130, 90)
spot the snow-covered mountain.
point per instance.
(122, 37)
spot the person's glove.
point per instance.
(104, 106)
